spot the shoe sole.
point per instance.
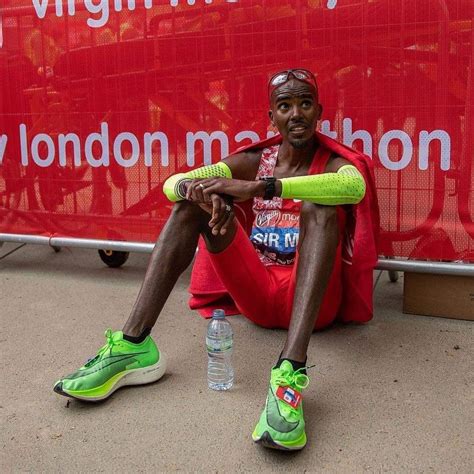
(143, 376)
(267, 441)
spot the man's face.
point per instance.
(295, 111)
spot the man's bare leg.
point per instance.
(144, 363)
(318, 242)
(281, 424)
(173, 253)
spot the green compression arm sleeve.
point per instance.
(172, 186)
(347, 186)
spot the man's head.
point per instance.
(294, 105)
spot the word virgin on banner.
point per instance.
(103, 7)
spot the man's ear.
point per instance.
(270, 116)
(320, 107)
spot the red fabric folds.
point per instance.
(359, 246)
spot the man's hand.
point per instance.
(221, 212)
(200, 190)
(212, 195)
(219, 207)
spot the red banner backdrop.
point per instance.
(102, 100)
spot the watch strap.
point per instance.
(270, 187)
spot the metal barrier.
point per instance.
(443, 268)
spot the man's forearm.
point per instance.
(347, 186)
(174, 187)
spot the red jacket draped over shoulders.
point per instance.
(359, 255)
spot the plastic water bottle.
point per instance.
(219, 340)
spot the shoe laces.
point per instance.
(106, 347)
(296, 379)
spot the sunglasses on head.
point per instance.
(281, 77)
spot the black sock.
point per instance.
(296, 365)
(138, 339)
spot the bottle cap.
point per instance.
(218, 314)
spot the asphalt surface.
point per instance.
(395, 395)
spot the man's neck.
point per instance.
(294, 158)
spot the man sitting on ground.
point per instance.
(313, 209)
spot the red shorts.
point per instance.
(264, 294)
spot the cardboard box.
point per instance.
(447, 296)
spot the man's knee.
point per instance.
(186, 211)
(318, 215)
(188, 216)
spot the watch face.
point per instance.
(269, 187)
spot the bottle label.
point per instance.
(218, 345)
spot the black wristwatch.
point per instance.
(270, 188)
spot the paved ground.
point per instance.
(392, 396)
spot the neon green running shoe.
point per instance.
(117, 363)
(281, 425)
